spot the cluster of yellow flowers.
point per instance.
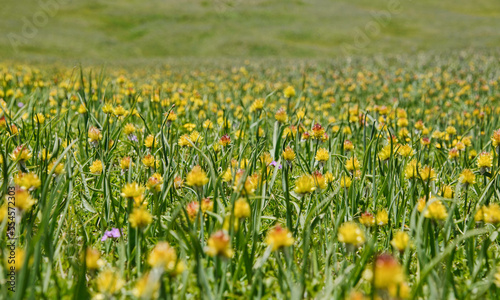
(203, 176)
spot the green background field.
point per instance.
(153, 29)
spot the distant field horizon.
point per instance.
(119, 32)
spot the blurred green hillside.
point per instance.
(154, 29)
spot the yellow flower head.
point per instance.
(93, 259)
(145, 288)
(189, 126)
(109, 282)
(460, 146)
(82, 109)
(352, 164)
(467, 177)
(348, 145)
(322, 155)
(436, 210)
(405, 150)
(58, 170)
(18, 262)
(400, 240)
(319, 180)
(13, 129)
(132, 190)
(279, 237)
(23, 200)
(219, 245)
(184, 141)
(150, 141)
(367, 219)
(195, 137)
(178, 182)
(488, 214)
(192, 210)
(453, 153)
(21, 153)
(241, 208)
(495, 138)
(289, 154)
(485, 160)
(155, 182)
(425, 141)
(207, 205)
(411, 169)
(95, 135)
(304, 185)
(207, 124)
(163, 255)
(120, 111)
(126, 162)
(388, 272)
(257, 105)
(451, 130)
(402, 122)
(345, 181)
(281, 115)
(350, 233)
(107, 108)
(245, 186)
(27, 181)
(404, 133)
(96, 167)
(329, 177)
(149, 161)
(427, 173)
(129, 129)
(39, 118)
(140, 218)
(382, 218)
(318, 131)
(447, 192)
(289, 91)
(172, 116)
(385, 153)
(196, 177)
(306, 135)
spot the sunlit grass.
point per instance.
(254, 181)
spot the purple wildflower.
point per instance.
(113, 233)
(273, 163)
(133, 138)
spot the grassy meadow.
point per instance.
(327, 182)
(229, 149)
(121, 31)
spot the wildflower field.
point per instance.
(362, 180)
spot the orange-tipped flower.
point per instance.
(219, 245)
(279, 237)
(21, 153)
(495, 139)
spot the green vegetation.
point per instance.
(132, 29)
(252, 182)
